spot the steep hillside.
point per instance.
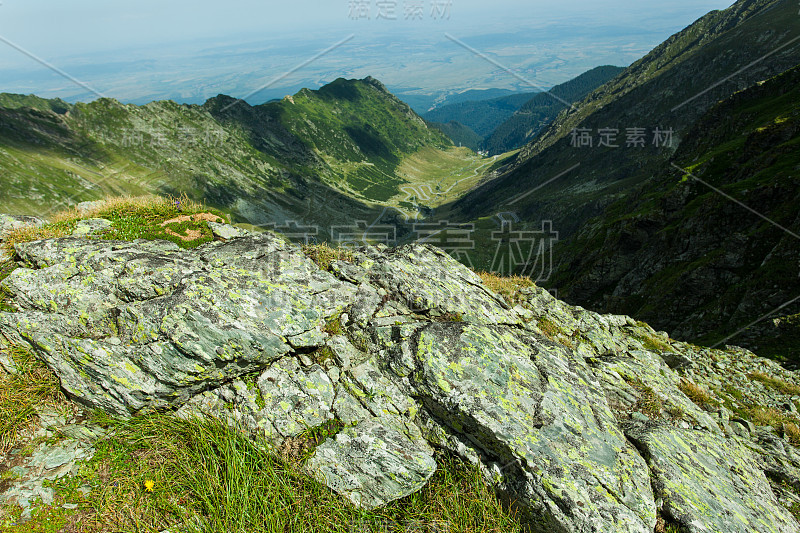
(460, 134)
(668, 89)
(481, 116)
(617, 141)
(543, 108)
(324, 157)
(685, 256)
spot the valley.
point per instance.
(350, 151)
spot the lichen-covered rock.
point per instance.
(375, 462)
(12, 222)
(709, 483)
(402, 351)
(129, 326)
(227, 232)
(537, 415)
(430, 282)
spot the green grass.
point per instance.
(784, 387)
(33, 386)
(649, 403)
(701, 397)
(549, 328)
(206, 476)
(509, 287)
(323, 254)
(132, 218)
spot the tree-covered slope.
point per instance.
(543, 108)
(460, 134)
(481, 116)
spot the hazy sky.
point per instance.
(77, 34)
(58, 27)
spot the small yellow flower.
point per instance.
(148, 485)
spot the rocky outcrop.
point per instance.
(10, 223)
(579, 418)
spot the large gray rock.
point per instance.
(129, 326)
(12, 222)
(403, 350)
(709, 483)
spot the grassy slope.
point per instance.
(643, 96)
(322, 157)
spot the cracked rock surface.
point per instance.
(576, 416)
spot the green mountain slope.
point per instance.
(324, 157)
(692, 260)
(557, 179)
(540, 110)
(460, 134)
(481, 116)
(670, 88)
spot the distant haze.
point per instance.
(188, 51)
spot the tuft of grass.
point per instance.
(210, 477)
(769, 416)
(333, 326)
(323, 255)
(549, 328)
(649, 403)
(509, 287)
(34, 385)
(663, 527)
(140, 217)
(52, 230)
(701, 397)
(450, 317)
(321, 355)
(676, 412)
(778, 384)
